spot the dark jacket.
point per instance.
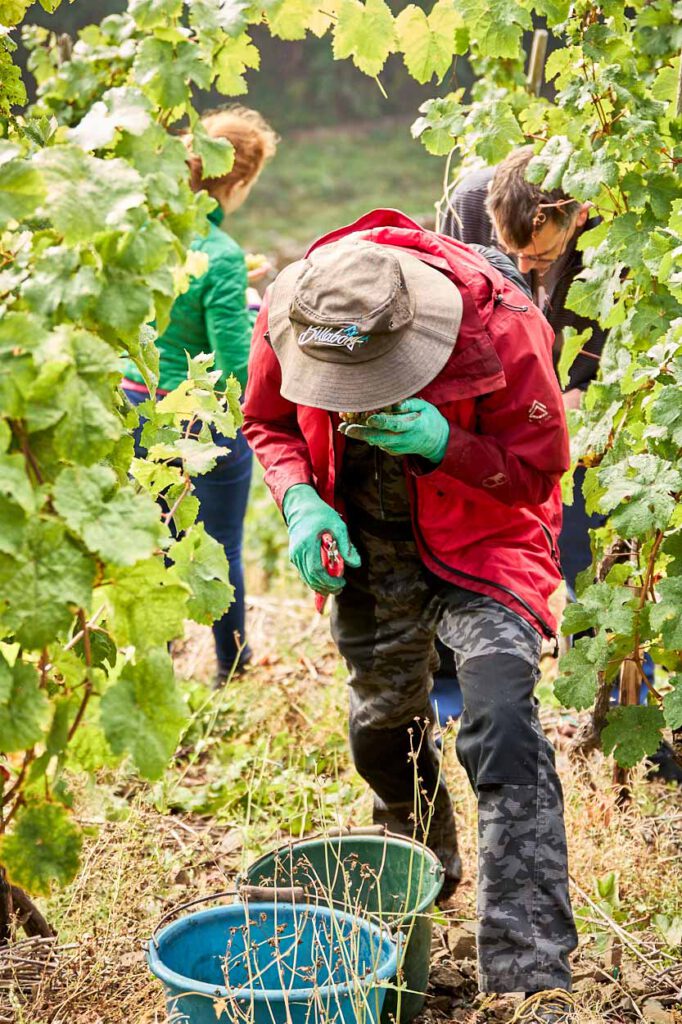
(467, 199)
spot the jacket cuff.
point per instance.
(279, 487)
(451, 462)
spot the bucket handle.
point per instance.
(257, 893)
(357, 830)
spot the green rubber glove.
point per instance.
(308, 517)
(414, 427)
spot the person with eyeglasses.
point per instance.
(498, 207)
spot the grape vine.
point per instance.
(95, 219)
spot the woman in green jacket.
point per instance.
(215, 315)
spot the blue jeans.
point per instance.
(223, 495)
(574, 540)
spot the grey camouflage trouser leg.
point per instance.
(384, 623)
(525, 922)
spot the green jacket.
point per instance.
(211, 316)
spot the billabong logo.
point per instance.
(342, 337)
(537, 412)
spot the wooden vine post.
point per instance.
(536, 64)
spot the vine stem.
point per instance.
(89, 625)
(620, 932)
(29, 756)
(85, 631)
(167, 516)
(18, 430)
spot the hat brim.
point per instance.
(420, 352)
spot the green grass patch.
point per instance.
(322, 179)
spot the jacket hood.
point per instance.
(463, 264)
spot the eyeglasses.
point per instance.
(549, 256)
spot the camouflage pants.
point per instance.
(385, 622)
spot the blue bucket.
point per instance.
(273, 963)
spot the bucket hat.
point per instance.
(358, 325)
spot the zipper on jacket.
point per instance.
(499, 301)
(379, 477)
(546, 628)
(553, 551)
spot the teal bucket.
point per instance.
(381, 875)
(273, 963)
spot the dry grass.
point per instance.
(140, 859)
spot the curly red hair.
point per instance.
(254, 142)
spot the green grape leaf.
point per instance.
(494, 130)
(15, 483)
(640, 493)
(58, 282)
(23, 706)
(187, 511)
(210, 17)
(365, 32)
(548, 167)
(43, 585)
(117, 524)
(672, 704)
(198, 457)
(441, 126)
(75, 390)
(120, 109)
(576, 686)
(666, 616)
(604, 606)
(147, 603)
(632, 733)
(86, 195)
(12, 11)
(593, 292)
(496, 26)
(672, 548)
(57, 738)
(43, 847)
(201, 563)
(572, 344)
(154, 13)
(22, 189)
(231, 63)
(217, 155)
(587, 173)
(155, 477)
(289, 19)
(13, 91)
(142, 714)
(665, 84)
(165, 70)
(103, 650)
(428, 42)
(666, 410)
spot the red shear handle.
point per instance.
(332, 561)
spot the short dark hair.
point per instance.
(520, 208)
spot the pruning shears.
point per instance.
(332, 560)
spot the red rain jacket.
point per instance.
(488, 516)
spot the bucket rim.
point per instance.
(374, 840)
(194, 987)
